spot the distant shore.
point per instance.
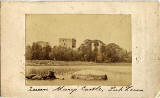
(70, 63)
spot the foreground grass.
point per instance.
(118, 73)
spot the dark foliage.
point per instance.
(89, 50)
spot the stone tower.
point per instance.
(92, 46)
(99, 52)
(69, 43)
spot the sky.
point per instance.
(109, 28)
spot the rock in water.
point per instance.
(30, 76)
(51, 75)
(90, 75)
(37, 77)
(44, 77)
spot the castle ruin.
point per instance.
(68, 43)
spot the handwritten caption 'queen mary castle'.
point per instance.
(88, 89)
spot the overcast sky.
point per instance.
(107, 28)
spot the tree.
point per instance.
(114, 53)
(28, 53)
(36, 51)
(40, 52)
(64, 54)
(128, 57)
(89, 50)
(47, 51)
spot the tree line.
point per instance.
(89, 50)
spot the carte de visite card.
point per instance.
(80, 49)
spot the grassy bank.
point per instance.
(68, 63)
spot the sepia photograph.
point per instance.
(78, 49)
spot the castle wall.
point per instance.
(69, 43)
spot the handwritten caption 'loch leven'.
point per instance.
(88, 89)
